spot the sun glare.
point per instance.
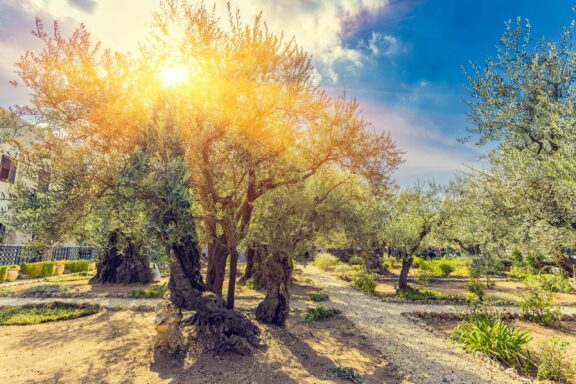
(173, 75)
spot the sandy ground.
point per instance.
(425, 357)
(114, 347)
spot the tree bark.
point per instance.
(129, 268)
(218, 329)
(254, 256)
(372, 260)
(275, 307)
(217, 255)
(566, 263)
(406, 264)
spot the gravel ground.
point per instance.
(422, 356)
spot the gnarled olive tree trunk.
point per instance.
(219, 329)
(274, 309)
(406, 264)
(217, 255)
(254, 258)
(128, 268)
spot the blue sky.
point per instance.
(401, 58)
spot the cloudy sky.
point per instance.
(401, 58)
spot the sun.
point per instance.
(174, 74)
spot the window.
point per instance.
(8, 169)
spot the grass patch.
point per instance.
(152, 292)
(346, 373)
(421, 294)
(319, 314)
(6, 290)
(506, 344)
(70, 277)
(43, 290)
(318, 296)
(42, 313)
(325, 261)
(366, 283)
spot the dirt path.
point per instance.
(423, 357)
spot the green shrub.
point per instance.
(70, 277)
(39, 269)
(46, 290)
(518, 272)
(445, 267)
(320, 313)
(78, 266)
(554, 363)
(41, 313)
(355, 260)
(366, 283)
(153, 291)
(253, 284)
(475, 286)
(3, 272)
(549, 282)
(421, 294)
(356, 268)
(346, 373)
(495, 340)
(325, 261)
(318, 296)
(538, 307)
(344, 272)
(391, 263)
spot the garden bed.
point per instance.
(42, 313)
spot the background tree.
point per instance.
(414, 215)
(523, 99)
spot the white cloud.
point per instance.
(381, 44)
(430, 153)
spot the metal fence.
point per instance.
(17, 254)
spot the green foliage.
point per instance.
(70, 277)
(253, 284)
(344, 271)
(421, 294)
(318, 296)
(475, 286)
(518, 272)
(75, 266)
(39, 269)
(346, 373)
(325, 261)
(320, 313)
(391, 263)
(549, 282)
(444, 266)
(151, 292)
(554, 363)
(355, 260)
(496, 340)
(538, 307)
(41, 313)
(3, 272)
(46, 290)
(366, 283)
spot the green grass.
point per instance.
(41, 313)
(346, 373)
(46, 290)
(152, 292)
(318, 296)
(6, 290)
(319, 314)
(70, 277)
(506, 344)
(421, 294)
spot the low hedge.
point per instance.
(39, 269)
(3, 273)
(75, 266)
